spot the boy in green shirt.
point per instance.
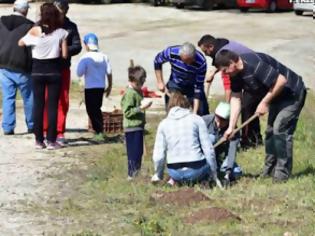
(134, 119)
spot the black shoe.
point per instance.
(260, 141)
(228, 179)
(30, 131)
(279, 181)
(246, 144)
(9, 133)
(267, 173)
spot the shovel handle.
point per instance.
(132, 64)
(222, 140)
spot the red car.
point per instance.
(269, 5)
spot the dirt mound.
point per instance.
(213, 214)
(180, 197)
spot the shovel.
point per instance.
(222, 140)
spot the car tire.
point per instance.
(207, 5)
(105, 1)
(272, 6)
(298, 12)
(179, 5)
(244, 9)
(157, 3)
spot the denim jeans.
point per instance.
(10, 82)
(227, 151)
(190, 175)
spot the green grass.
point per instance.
(106, 204)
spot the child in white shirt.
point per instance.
(96, 69)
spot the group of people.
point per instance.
(254, 83)
(36, 59)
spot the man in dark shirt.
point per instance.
(211, 46)
(283, 94)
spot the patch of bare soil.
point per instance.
(181, 197)
(213, 214)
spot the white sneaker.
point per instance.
(61, 142)
(39, 145)
(171, 182)
(53, 146)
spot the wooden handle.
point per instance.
(132, 63)
(222, 140)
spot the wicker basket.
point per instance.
(112, 122)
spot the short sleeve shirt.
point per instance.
(47, 46)
(261, 72)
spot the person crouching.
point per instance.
(183, 144)
(217, 123)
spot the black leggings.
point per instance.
(40, 82)
(46, 74)
(93, 104)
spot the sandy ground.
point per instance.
(24, 175)
(133, 31)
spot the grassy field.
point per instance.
(102, 202)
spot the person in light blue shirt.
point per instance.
(96, 69)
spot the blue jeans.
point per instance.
(10, 82)
(229, 155)
(190, 175)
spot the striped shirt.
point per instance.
(188, 78)
(260, 73)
